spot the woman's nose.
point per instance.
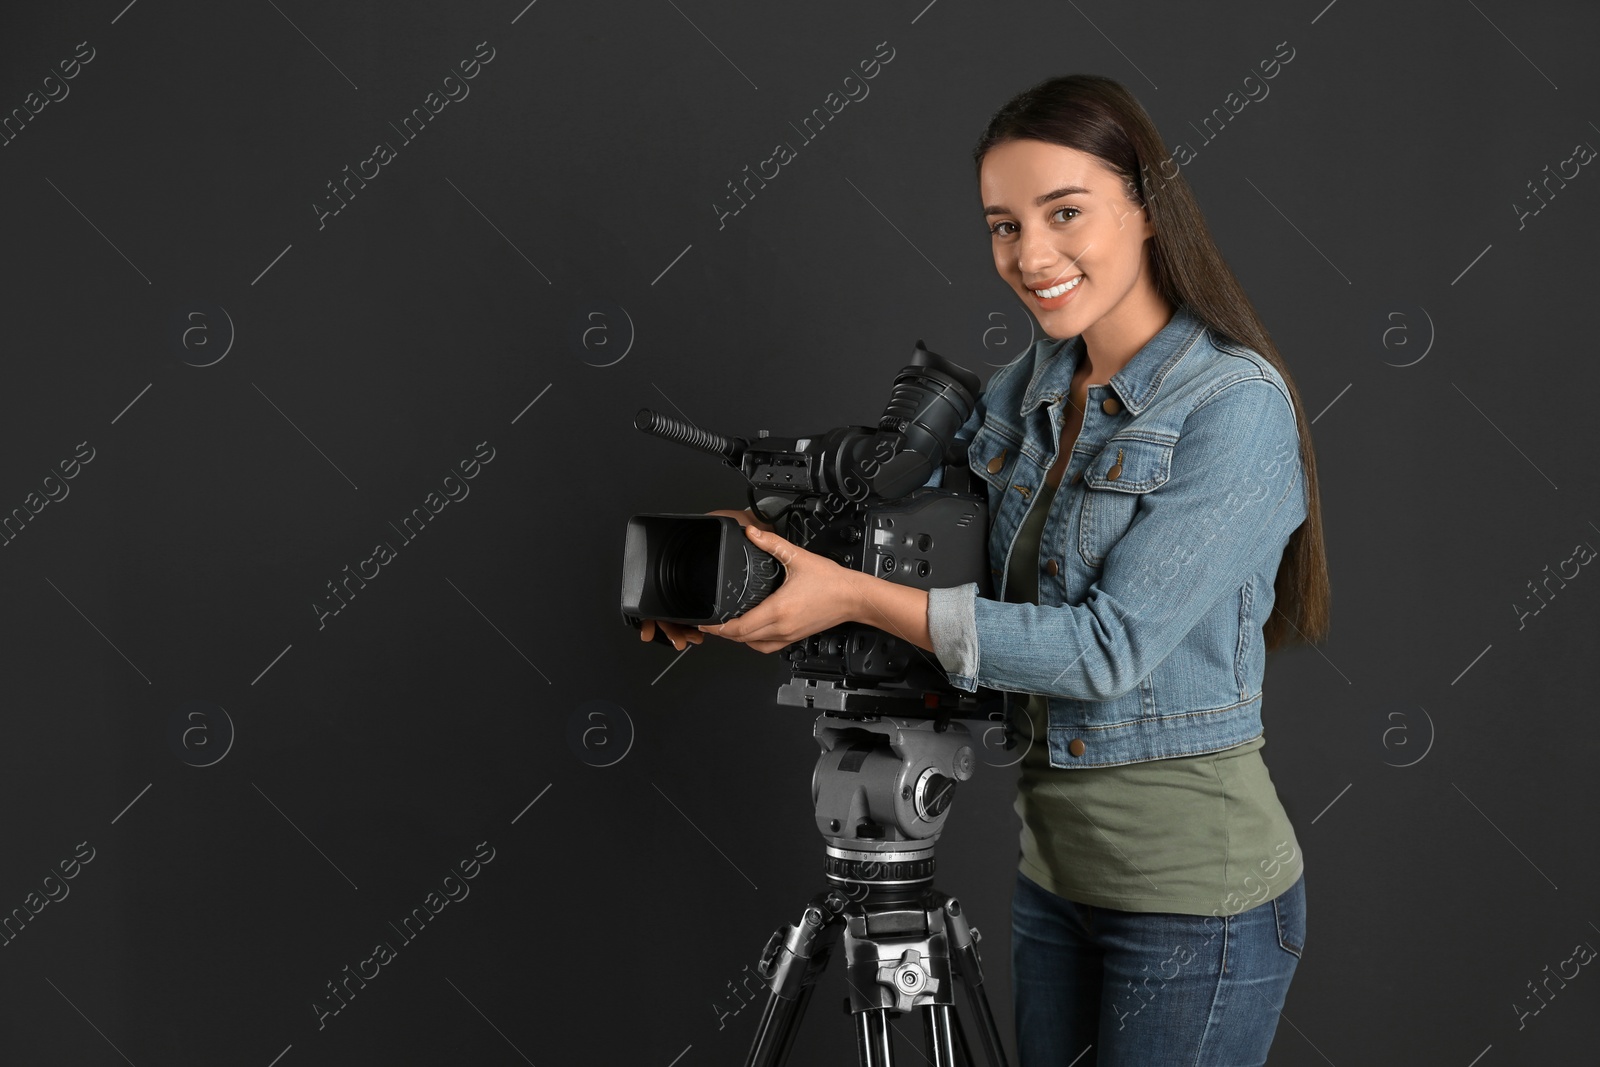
(1037, 256)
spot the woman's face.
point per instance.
(1058, 215)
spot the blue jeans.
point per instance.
(1099, 986)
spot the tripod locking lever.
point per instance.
(908, 979)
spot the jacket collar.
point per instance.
(1135, 384)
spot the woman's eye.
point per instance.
(998, 232)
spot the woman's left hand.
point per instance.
(816, 594)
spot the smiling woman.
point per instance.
(1156, 527)
(1080, 256)
(1154, 531)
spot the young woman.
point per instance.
(1155, 530)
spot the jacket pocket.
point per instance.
(991, 456)
(1113, 483)
(1244, 651)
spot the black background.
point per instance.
(1436, 754)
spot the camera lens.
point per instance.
(686, 573)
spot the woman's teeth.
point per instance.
(1055, 291)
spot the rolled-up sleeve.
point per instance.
(950, 618)
(953, 626)
(1233, 497)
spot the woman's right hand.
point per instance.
(681, 634)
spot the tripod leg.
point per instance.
(791, 1025)
(961, 1041)
(873, 1045)
(780, 1021)
(936, 1025)
(967, 966)
(793, 958)
(987, 1030)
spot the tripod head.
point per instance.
(881, 791)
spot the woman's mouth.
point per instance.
(1057, 295)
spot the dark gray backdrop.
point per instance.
(219, 395)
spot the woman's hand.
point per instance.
(745, 517)
(681, 635)
(816, 594)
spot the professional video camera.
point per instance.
(857, 495)
(894, 743)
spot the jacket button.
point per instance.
(994, 571)
(1075, 746)
(1051, 568)
(1110, 405)
(997, 462)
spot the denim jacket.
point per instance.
(1158, 552)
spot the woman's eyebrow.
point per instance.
(1039, 201)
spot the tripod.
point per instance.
(881, 789)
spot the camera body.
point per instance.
(860, 496)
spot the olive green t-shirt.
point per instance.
(1197, 835)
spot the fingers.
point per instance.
(767, 645)
(754, 625)
(774, 545)
(681, 636)
(721, 629)
(747, 518)
(744, 631)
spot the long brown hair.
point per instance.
(1096, 115)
